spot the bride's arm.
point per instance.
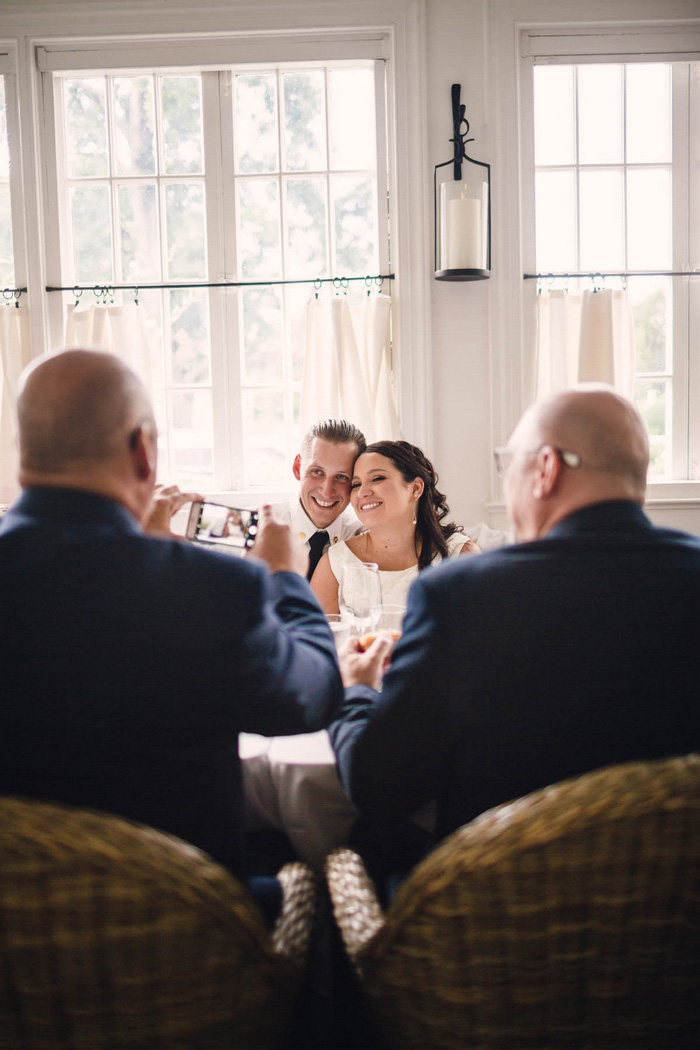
(325, 586)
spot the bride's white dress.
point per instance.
(395, 584)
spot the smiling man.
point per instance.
(321, 514)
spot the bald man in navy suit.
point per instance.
(131, 663)
(572, 649)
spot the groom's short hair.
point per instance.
(337, 431)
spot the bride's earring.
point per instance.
(415, 519)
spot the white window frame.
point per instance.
(223, 306)
(226, 385)
(681, 437)
(8, 70)
(266, 34)
(514, 307)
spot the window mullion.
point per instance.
(217, 123)
(384, 217)
(680, 292)
(113, 183)
(57, 224)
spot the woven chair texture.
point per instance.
(569, 918)
(115, 935)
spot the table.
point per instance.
(291, 784)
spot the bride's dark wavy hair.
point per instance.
(431, 535)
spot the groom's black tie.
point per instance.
(317, 544)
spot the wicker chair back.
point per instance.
(115, 935)
(569, 918)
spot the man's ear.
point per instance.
(143, 452)
(547, 472)
(296, 466)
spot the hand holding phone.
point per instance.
(220, 526)
(166, 502)
(277, 546)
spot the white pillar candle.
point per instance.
(464, 234)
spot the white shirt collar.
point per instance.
(344, 526)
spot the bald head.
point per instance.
(85, 421)
(604, 428)
(612, 457)
(75, 408)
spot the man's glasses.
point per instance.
(503, 457)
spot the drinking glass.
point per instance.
(340, 629)
(391, 619)
(360, 596)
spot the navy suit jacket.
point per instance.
(530, 664)
(129, 665)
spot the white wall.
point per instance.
(456, 34)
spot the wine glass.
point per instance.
(360, 596)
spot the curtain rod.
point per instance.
(613, 273)
(102, 289)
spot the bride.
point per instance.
(394, 494)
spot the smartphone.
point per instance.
(217, 525)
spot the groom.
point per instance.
(320, 514)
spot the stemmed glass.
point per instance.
(360, 596)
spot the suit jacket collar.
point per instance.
(68, 507)
(612, 516)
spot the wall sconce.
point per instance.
(462, 209)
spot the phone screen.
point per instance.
(217, 524)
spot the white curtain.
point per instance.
(14, 355)
(347, 370)
(585, 338)
(119, 330)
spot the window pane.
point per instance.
(4, 144)
(182, 125)
(186, 231)
(261, 313)
(602, 245)
(650, 299)
(7, 269)
(648, 112)
(91, 222)
(600, 114)
(189, 336)
(255, 123)
(134, 126)
(304, 121)
(266, 454)
(305, 212)
(653, 399)
(191, 443)
(259, 242)
(296, 298)
(352, 119)
(554, 115)
(138, 230)
(354, 211)
(556, 220)
(151, 312)
(160, 411)
(86, 127)
(649, 219)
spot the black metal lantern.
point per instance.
(462, 209)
